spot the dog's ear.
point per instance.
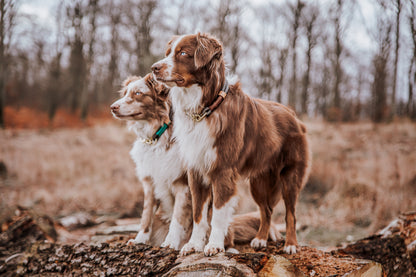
(207, 48)
(129, 80)
(163, 91)
(159, 88)
(126, 82)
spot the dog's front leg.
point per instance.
(181, 217)
(224, 201)
(143, 236)
(201, 195)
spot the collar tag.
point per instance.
(197, 117)
(157, 135)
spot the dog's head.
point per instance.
(189, 59)
(141, 99)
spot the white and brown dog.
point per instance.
(224, 135)
(144, 105)
(167, 213)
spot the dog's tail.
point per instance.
(244, 228)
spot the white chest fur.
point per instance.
(162, 166)
(196, 143)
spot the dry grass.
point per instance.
(363, 175)
(67, 170)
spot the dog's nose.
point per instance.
(115, 107)
(156, 67)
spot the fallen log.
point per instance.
(26, 248)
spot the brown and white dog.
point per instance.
(143, 103)
(167, 213)
(223, 138)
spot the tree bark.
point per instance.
(25, 250)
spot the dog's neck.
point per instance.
(187, 99)
(196, 97)
(145, 130)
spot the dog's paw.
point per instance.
(190, 248)
(135, 241)
(170, 244)
(140, 238)
(212, 249)
(290, 249)
(131, 242)
(258, 243)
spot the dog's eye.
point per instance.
(137, 93)
(183, 53)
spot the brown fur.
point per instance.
(254, 138)
(156, 109)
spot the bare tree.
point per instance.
(8, 11)
(410, 107)
(380, 65)
(77, 63)
(115, 20)
(92, 11)
(323, 90)
(237, 35)
(339, 49)
(296, 12)
(309, 21)
(55, 67)
(398, 6)
(283, 54)
(227, 27)
(267, 80)
(140, 20)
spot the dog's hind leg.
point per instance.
(266, 194)
(293, 177)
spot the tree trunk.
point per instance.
(25, 250)
(2, 63)
(53, 86)
(412, 65)
(396, 57)
(295, 29)
(143, 36)
(93, 5)
(282, 66)
(339, 48)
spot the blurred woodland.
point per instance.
(307, 54)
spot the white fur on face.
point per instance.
(169, 61)
(221, 219)
(127, 103)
